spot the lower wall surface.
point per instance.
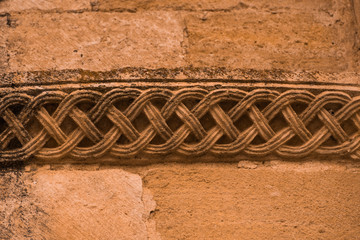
(74, 204)
(282, 201)
(251, 200)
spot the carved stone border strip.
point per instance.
(174, 85)
(328, 123)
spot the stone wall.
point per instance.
(43, 43)
(103, 35)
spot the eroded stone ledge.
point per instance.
(165, 75)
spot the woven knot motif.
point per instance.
(189, 122)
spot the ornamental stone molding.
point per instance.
(188, 113)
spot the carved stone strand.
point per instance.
(174, 141)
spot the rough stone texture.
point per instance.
(187, 76)
(3, 39)
(287, 40)
(288, 34)
(214, 5)
(356, 48)
(8, 6)
(20, 218)
(319, 6)
(169, 40)
(188, 5)
(279, 201)
(98, 41)
(74, 204)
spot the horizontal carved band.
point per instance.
(125, 122)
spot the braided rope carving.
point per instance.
(16, 125)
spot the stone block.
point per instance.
(8, 6)
(96, 41)
(265, 40)
(291, 5)
(3, 38)
(213, 5)
(276, 201)
(188, 5)
(356, 7)
(74, 204)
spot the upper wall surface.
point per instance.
(101, 35)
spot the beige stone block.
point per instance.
(75, 204)
(302, 5)
(7, 6)
(96, 41)
(3, 50)
(213, 5)
(167, 5)
(356, 7)
(262, 40)
(279, 201)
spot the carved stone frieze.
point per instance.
(125, 120)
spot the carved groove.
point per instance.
(189, 110)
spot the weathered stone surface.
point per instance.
(78, 44)
(3, 38)
(8, 6)
(98, 41)
(186, 75)
(289, 35)
(356, 8)
(279, 201)
(302, 5)
(74, 204)
(214, 5)
(20, 217)
(266, 40)
(167, 5)
(247, 165)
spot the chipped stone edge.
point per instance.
(36, 78)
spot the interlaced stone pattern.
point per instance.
(16, 125)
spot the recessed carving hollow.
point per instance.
(124, 122)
